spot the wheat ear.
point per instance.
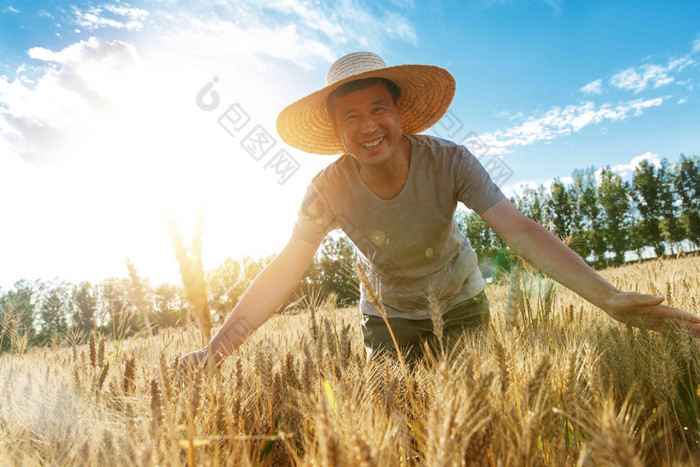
(372, 296)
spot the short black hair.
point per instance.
(347, 88)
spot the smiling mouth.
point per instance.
(372, 144)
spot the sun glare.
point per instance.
(155, 152)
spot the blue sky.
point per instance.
(100, 136)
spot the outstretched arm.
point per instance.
(550, 255)
(264, 296)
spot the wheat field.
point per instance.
(557, 383)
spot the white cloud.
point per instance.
(42, 124)
(340, 22)
(696, 45)
(518, 188)
(640, 78)
(403, 4)
(304, 32)
(594, 87)
(45, 14)
(683, 100)
(554, 4)
(226, 41)
(12, 10)
(559, 121)
(625, 170)
(133, 13)
(510, 116)
(94, 18)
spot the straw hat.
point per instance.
(426, 93)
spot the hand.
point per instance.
(192, 360)
(646, 311)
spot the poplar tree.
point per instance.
(671, 225)
(686, 182)
(612, 196)
(84, 306)
(646, 192)
(53, 309)
(585, 188)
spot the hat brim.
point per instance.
(426, 94)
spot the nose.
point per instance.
(368, 125)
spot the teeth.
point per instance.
(372, 144)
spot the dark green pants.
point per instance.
(469, 316)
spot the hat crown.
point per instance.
(353, 64)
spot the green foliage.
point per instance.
(612, 197)
(228, 282)
(586, 189)
(672, 228)
(491, 250)
(686, 183)
(17, 309)
(560, 209)
(53, 310)
(169, 306)
(647, 192)
(333, 271)
(84, 306)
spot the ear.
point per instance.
(399, 105)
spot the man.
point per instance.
(394, 193)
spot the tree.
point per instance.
(84, 306)
(333, 270)
(169, 306)
(478, 233)
(229, 281)
(560, 209)
(114, 303)
(18, 304)
(585, 188)
(686, 181)
(646, 192)
(671, 226)
(489, 247)
(533, 202)
(612, 196)
(53, 309)
(576, 220)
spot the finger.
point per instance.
(694, 330)
(687, 321)
(681, 315)
(651, 300)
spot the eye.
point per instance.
(350, 117)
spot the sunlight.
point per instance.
(156, 152)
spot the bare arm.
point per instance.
(550, 255)
(264, 296)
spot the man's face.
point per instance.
(368, 124)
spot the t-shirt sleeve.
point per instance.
(315, 218)
(473, 185)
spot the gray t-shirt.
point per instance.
(411, 241)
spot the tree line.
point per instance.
(599, 215)
(604, 218)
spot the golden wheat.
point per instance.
(567, 386)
